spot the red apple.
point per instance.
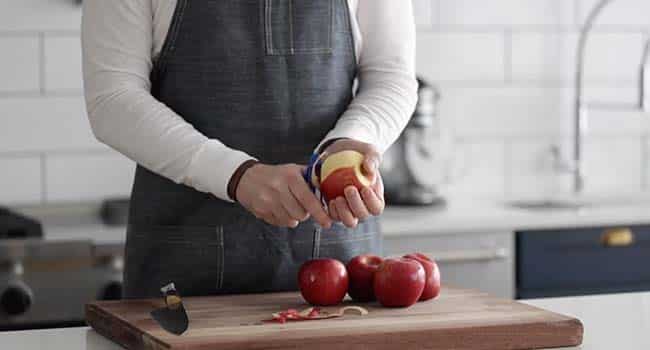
(432, 283)
(341, 170)
(399, 282)
(323, 282)
(361, 270)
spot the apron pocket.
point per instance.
(298, 26)
(342, 243)
(259, 258)
(191, 257)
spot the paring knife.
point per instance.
(173, 317)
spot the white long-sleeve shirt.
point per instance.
(122, 38)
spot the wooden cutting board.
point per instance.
(457, 319)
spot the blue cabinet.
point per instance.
(553, 263)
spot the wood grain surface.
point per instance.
(458, 319)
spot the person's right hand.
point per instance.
(279, 195)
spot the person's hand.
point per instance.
(279, 195)
(359, 205)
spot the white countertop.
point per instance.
(462, 215)
(617, 321)
(491, 215)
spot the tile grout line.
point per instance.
(645, 162)
(531, 28)
(539, 83)
(507, 56)
(437, 6)
(576, 13)
(41, 68)
(506, 144)
(67, 93)
(43, 177)
(50, 32)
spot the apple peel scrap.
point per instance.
(313, 313)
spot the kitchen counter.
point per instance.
(614, 321)
(617, 321)
(461, 216)
(491, 215)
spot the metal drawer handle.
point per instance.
(471, 255)
(618, 237)
(466, 256)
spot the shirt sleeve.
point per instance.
(117, 39)
(387, 90)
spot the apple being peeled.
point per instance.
(399, 282)
(341, 170)
(432, 282)
(361, 270)
(323, 282)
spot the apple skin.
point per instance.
(432, 282)
(399, 282)
(323, 282)
(341, 170)
(361, 270)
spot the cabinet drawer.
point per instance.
(582, 261)
(478, 261)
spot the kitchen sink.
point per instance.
(578, 202)
(546, 204)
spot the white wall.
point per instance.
(47, 151)
(504, 66)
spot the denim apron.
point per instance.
(268, 77)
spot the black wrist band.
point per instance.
(236, 177)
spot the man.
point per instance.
(221, 103)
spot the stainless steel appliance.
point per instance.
(47, 283)
(411, 151)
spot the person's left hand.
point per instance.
(359, 205)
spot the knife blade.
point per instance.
(172, 317)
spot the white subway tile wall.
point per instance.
(613, 165)
(84, 177)
(45, 124)
(424, 12)
(62, 64)
(461, 56)
(20, 180)
(507, 12)
(477, 169)
(505, 69)
(604, 122)
(19, 63)
(504, 111)
(620, 13)
(39, 15)
(551, 56)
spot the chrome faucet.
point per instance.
(582, 107)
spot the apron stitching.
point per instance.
(173, 34)
(329, 32)
(220, 255)
(351, 40)
(269, 27)
(177, 29)
(291, 43)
